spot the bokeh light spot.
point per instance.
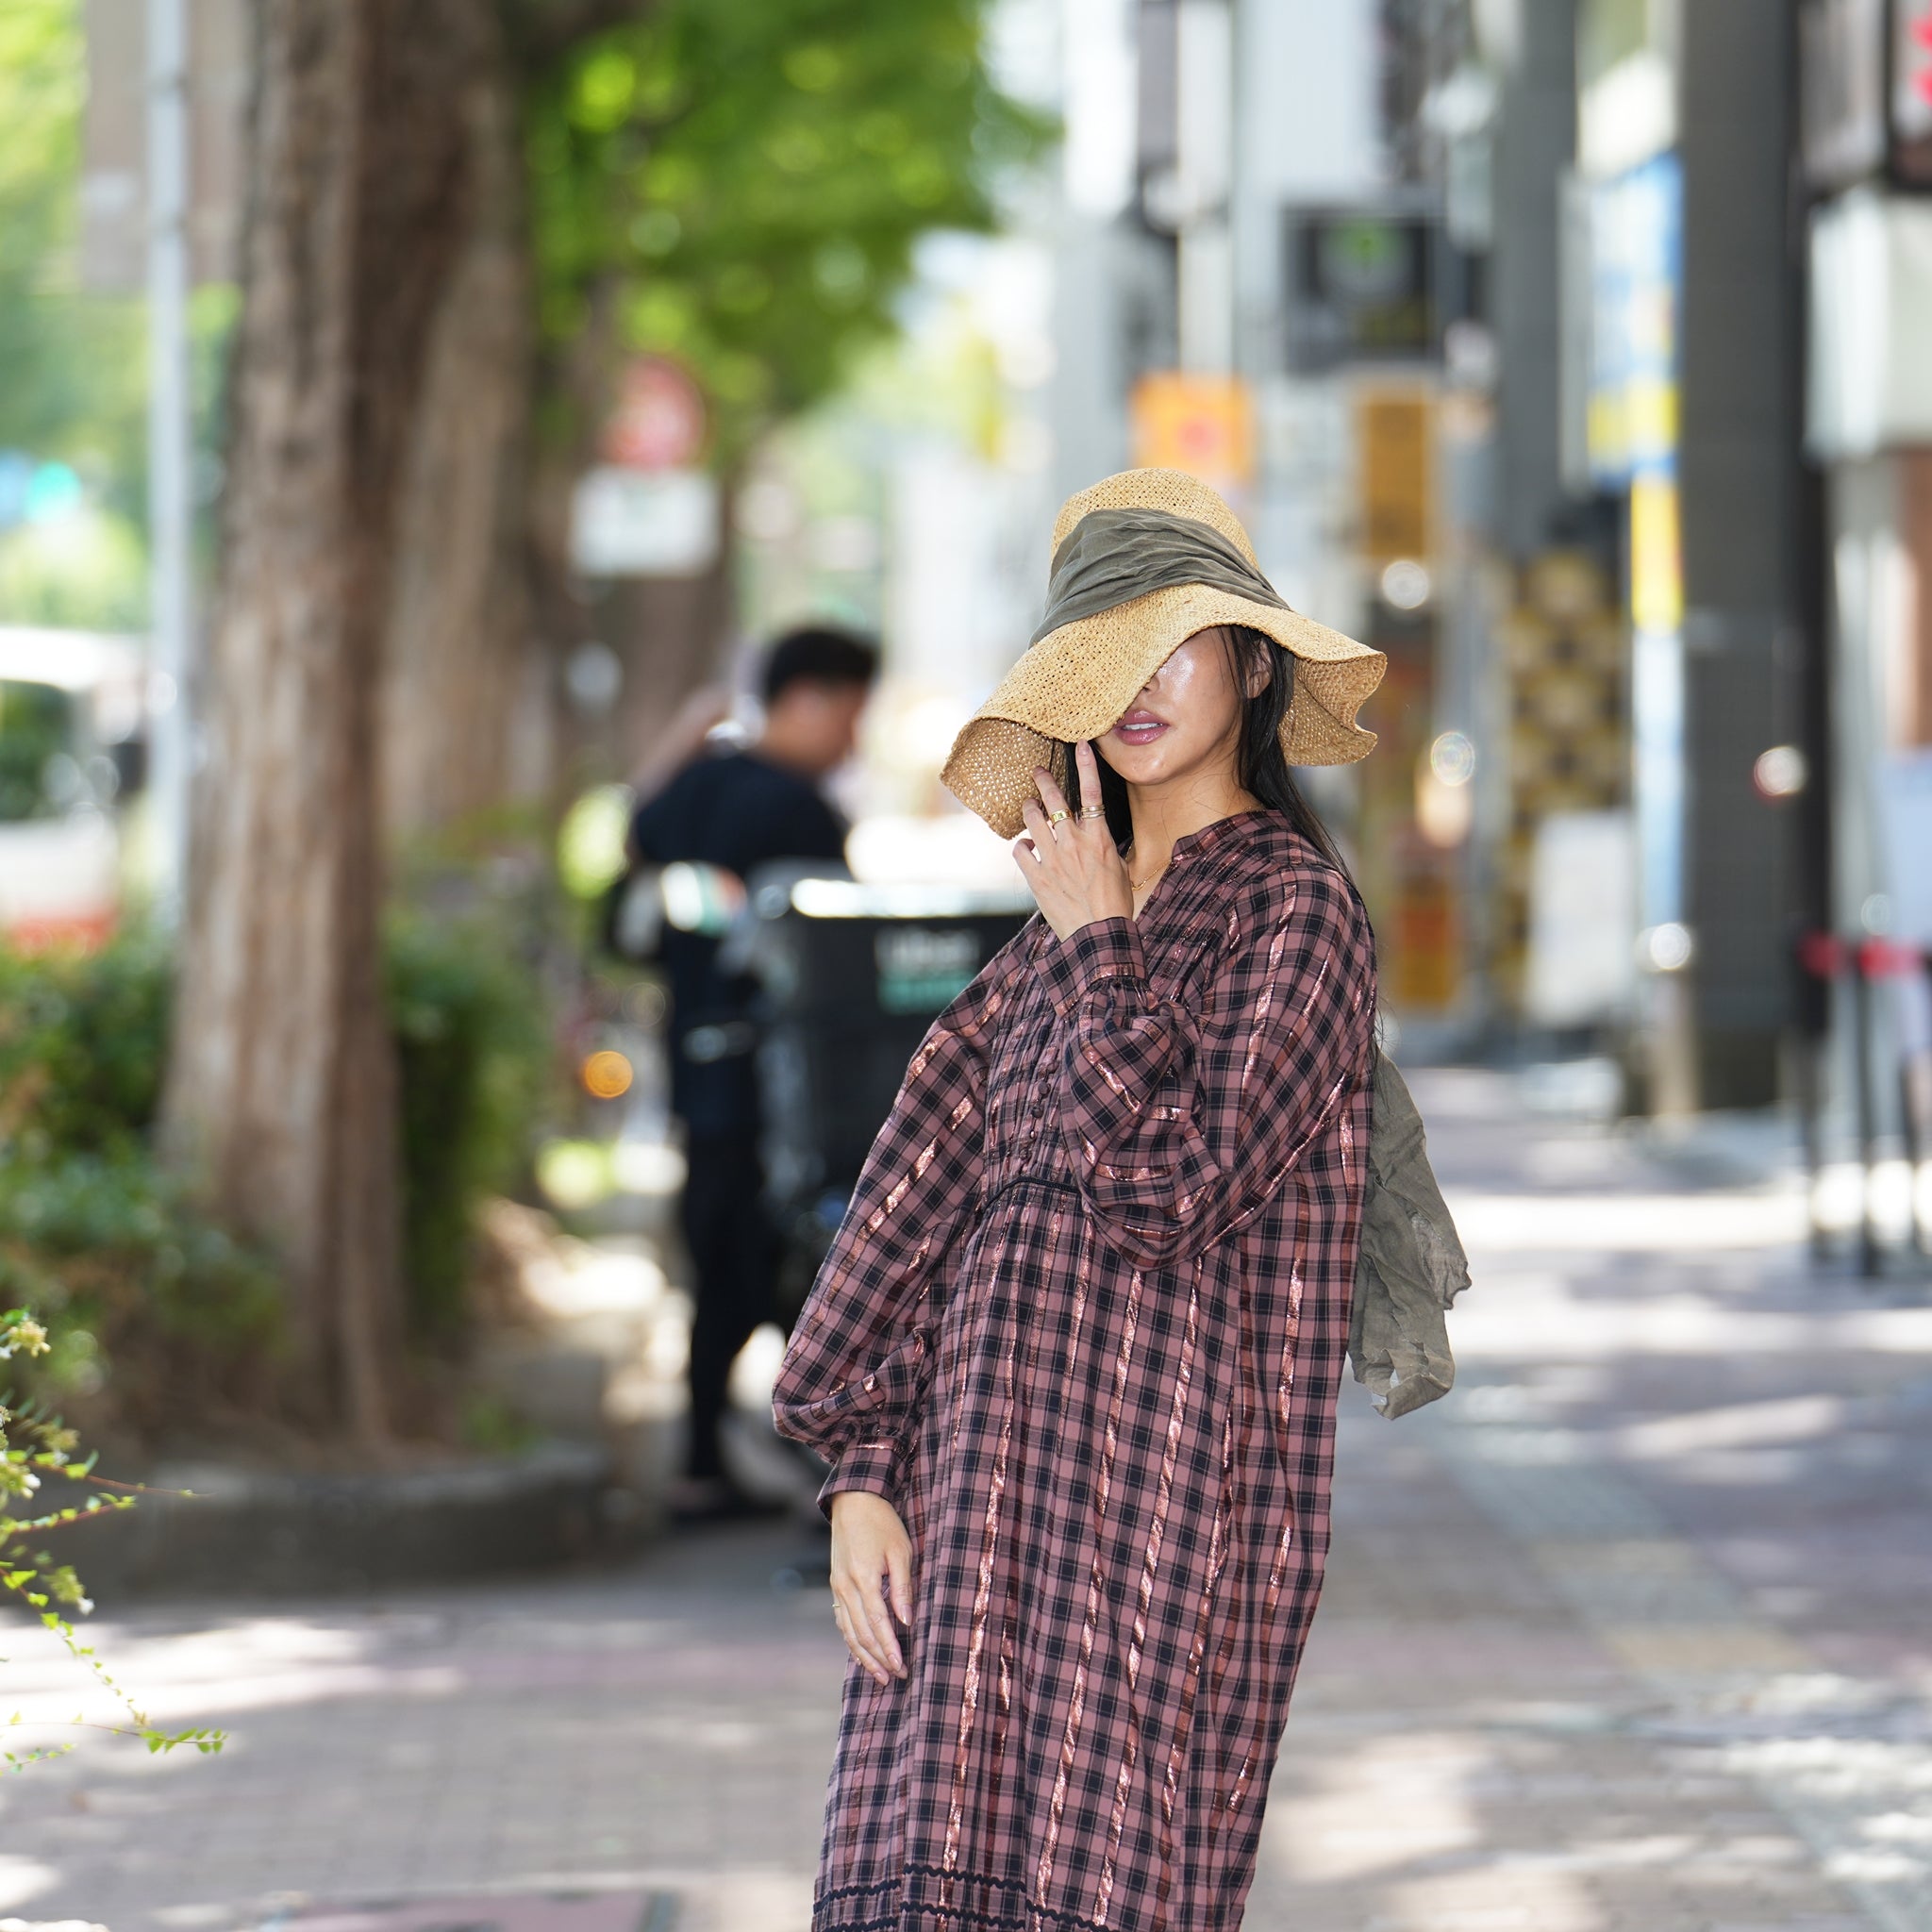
(606, 1074)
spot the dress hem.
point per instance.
(886, 1907)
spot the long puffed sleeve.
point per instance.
(1182, 1120)
(856, 1367)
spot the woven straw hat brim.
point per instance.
(1077, 681)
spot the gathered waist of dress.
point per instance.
(1017, 1183)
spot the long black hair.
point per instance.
(1260, 765)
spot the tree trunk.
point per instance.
(281, 1092)
(670, 635)
(468, 719)
(574, 378)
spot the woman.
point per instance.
(1074, 1354)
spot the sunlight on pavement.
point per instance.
(1736, 1425)
(1556, 1322)
(257, 1665)
(629, 1911)
(23, 1881)
(1390, 1802)
(1610, 1223)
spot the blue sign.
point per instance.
(1636, 250)
(32, 492)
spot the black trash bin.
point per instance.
(853, 975)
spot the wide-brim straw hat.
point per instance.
(1076, 680)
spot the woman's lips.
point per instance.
(1139, 727)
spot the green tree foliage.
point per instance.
(75, 383)
(752, 176)
(72, 362)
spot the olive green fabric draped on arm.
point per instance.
(1411, 1265)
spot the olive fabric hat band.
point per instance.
(1143, 562)
(1113, 555)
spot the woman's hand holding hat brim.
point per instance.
(1068, 858)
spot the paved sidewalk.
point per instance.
(1628, 1633)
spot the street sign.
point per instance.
(1364, 287)
(1203, 424)
(657, 422)
(1657, 565)
(1580, 968)
(644, 524)
(1636, 246)
(1396, 450)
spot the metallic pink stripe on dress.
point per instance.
(1112, 1079)
(933, 1041)
(918, 1168)
(982, 1596)
(975, 1641)
(1009, 1623)
(1263, 1004)
(1284, 1393)
(962, 1368)
(1316, 982)
(1103, 1491)
(1235, 1619)
(1150, 1570)
(1191, 1688)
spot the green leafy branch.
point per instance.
(35, 1447)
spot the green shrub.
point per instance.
(92, 1233)
(471, 1051)
(82, 1038)
(110, 1249)
(106, 1244)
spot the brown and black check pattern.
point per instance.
(1084, 1323)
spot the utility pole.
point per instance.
(1204, 117)
(170, 461)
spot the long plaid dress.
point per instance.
(1084, 1323)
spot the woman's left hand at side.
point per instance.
(1068, 858)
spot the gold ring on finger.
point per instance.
(1054, 818)
(1093, 811)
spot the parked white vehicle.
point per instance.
(72, 715)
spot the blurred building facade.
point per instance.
(1572, 350)
(1866, 168)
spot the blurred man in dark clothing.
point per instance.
(737, 812)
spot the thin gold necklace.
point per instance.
(1142, 885)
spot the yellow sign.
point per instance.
(1632, 422)
(1395, 445)
(1657, 570)
(1203, 424)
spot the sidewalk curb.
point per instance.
(279, 1533)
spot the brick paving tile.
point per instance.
(1627, 1633)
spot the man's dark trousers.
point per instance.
(734, 1252)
